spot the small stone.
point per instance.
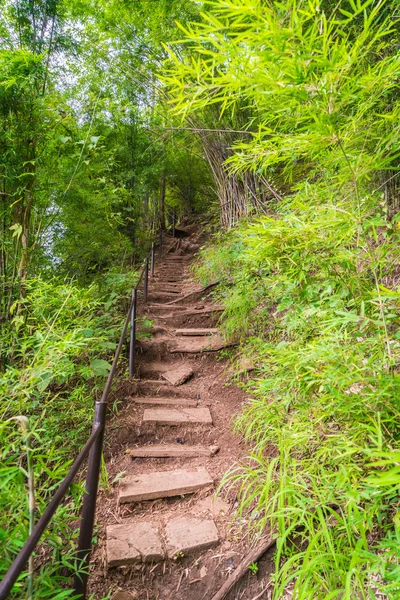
(203, 571)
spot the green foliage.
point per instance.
(58, 342)
(311, 289)
(316, 85)
(323, 331)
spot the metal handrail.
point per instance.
(92, 448)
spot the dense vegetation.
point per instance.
(278, 120)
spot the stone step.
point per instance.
(174, 256)
(163, 484)
(155, 401)
(177, 416)
(165, 307)
(136, 542)
(179, 375)
(175, 272)
(189, 312)
(194, 332)
(169, 281)
(172, 451)
(199, 344)
(164, 294)
(185, 535)
(164, 288)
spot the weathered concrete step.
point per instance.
(199, 344)
(164, 294)
(165, 288)
(170, 279)
(165, 307)
(179, 375)
(165, 401)
(189, 312)
(177, 416)
(135, 542)
(185, 535)
(172, 451)
(163, 484)
(194, 332)
(174, 256)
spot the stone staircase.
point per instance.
(180, 329)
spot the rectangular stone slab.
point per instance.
(211, 331)
(188, 534)
(164, 294)
(164, 484)
(165, 401)
(173, 307)
(199, 344)
(165, 288)
(179, 375)
(129, 543)
(177, 416)
(172, 450)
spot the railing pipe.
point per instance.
(146, 279)
(153, 255)
(110, 377)
(20, 561)
(132, 335)
(89, 502)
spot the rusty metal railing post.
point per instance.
(153, 256)
(89, 503)
(132, 336)
(146, 279)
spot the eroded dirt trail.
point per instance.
(163, 535)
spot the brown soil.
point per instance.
(196, 577)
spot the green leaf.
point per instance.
(100, 367)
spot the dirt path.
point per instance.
(162, 534)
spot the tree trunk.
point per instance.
(162, 201)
